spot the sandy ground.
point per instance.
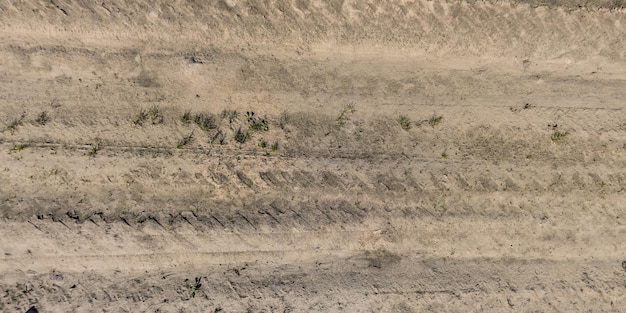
(402, 156)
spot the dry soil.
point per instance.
(312, 156)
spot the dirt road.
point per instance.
(312, 156)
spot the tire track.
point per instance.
(440, 15)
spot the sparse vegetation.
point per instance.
(153, 115)
(559, 135)
(435, 120)
(263, 144)
(404, 121)
(432, 121)
(527, 106)
(241, 136)
(42, 118)
(95, 147)
(231, 115)
(274, 146)
(140, 118)
(205, 121)
(184, 141)
(256, 124)
(444, 155)
(260, 125)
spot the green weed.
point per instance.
(95, 147)
(153, 115)
(231, 115)
(343, 116)
(19, 147)
(241, 136)
(140, 118)
(205, 121)
(405, 123)
(256, 124)
(435, 120)
(186, 117)
(558, 135)
(193, 288)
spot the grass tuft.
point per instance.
(241, 136)
(405, 123)
(559, 135)
(186, 117)
(256, 124)
(206, 122)
(42, 118)
(95, 147)
(141, 117)
(231, 115)
(435, 120)
(154, 115)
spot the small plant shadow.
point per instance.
(184, 141)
